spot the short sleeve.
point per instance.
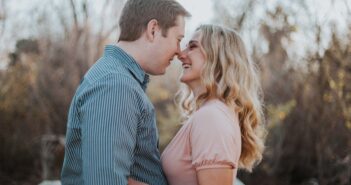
(213, 139)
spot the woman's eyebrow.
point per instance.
(193, 42)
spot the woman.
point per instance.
(223, 112)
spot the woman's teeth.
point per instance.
(186, 66)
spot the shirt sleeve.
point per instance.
(110, 114)
(213, 140)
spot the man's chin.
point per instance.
(162, 73)
(158, 73)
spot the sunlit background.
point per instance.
(302, 48)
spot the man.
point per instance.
(111, 132)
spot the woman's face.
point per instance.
(193, 60)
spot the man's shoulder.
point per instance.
(110, 86)
(108, 69)
(121, 81)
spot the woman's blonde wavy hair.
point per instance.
(230, 76)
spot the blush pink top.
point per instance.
(211, 138)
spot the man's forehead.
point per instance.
(178, 29)
(180, 22)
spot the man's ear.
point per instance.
(152, 29)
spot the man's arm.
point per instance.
(109, 116)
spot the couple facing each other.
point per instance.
(111, 133)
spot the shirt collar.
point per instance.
(128, 62)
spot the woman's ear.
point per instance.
(151, 29)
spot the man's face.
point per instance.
(165, 48)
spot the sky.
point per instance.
(201, 11)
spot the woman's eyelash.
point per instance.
(192, 46)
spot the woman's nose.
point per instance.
(182, 55)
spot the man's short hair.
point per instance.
(137, 13)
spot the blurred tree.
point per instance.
(307, 97)
(44, 71)
(2, 17)
(162, 91)
(19, 118)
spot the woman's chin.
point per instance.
(189, 80)
(183, 79)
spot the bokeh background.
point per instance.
(302, 48)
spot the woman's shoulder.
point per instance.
(210, 105)
(214, 114)
(216, 108)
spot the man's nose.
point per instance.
(178, 50)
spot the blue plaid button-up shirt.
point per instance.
(111, 130)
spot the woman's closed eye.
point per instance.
(192, 46)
